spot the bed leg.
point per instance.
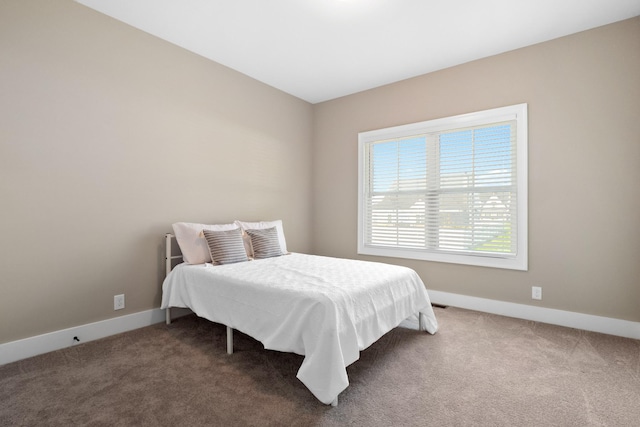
(229, 340)
(335, 402)
(421, 322)
(167, 315)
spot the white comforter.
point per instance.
(326, 309)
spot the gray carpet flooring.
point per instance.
(478, 370)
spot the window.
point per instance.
(448, 190)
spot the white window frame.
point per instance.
(517, 262)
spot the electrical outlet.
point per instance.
(118, 302)
(536, 292)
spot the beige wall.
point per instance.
(583, 93)
(108, 136)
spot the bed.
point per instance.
(325, 309)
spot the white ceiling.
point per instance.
(323, 49)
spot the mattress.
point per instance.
(325, 309)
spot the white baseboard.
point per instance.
(33, 346)
(587, 322)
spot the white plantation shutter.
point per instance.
(450, 190)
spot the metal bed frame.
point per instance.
(169, 260)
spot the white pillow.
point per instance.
(266, 224)
(192, 242)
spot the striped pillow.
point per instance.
(265, 242)
(226, 246)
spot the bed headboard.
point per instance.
(169, 254)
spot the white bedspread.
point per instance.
(326, 309)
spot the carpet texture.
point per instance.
(478, 370)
